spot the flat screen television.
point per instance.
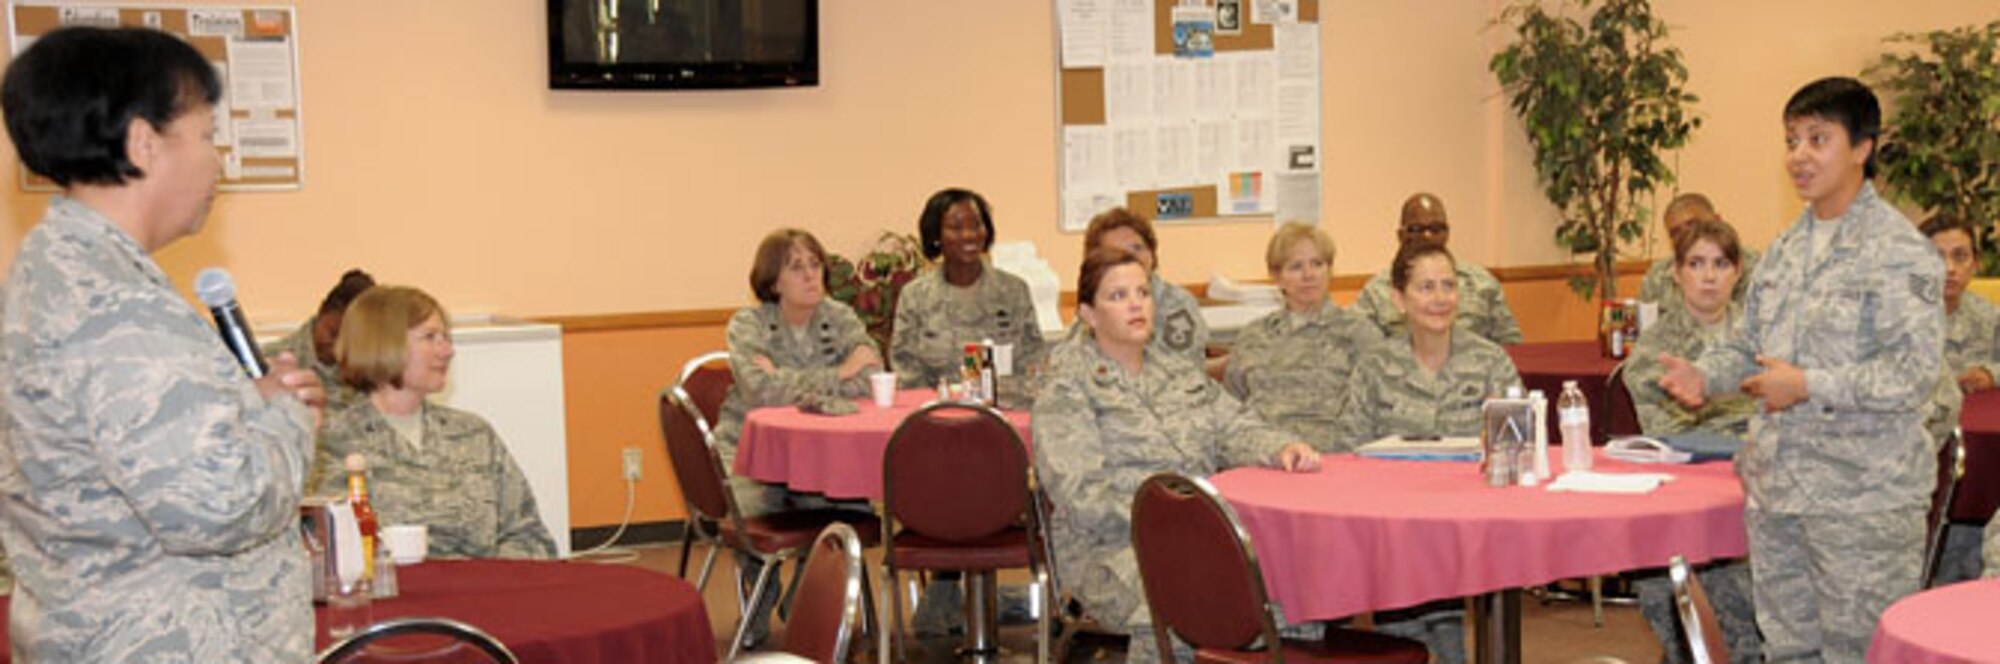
(683, 44)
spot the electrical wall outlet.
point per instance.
(634, 464)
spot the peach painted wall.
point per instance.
(437, 156)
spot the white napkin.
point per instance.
(1584, 481)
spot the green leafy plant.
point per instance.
(1601, 99)
(1941, 147)
(871, 282)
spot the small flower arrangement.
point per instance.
(871, 283)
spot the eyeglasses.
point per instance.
(1426, 229)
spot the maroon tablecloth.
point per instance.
(839, 456)
(553, 611)
(1544, 366)
(1979, 491)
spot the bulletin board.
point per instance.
(255, 51)
(1189, 111)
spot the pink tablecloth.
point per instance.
(1954, 623)
(837, 456)
(1367, 534)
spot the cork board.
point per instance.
(254, 49)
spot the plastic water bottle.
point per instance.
(1573, 414)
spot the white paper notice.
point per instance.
(1254, 151)
(1215, 87)
(96, 17)
(1274, 11)
(1298, 198)
(263, 76)
(215, 23)
(1078, 208)
(266, 138)
(1215, 151)
(1256, 84)
(1298, 52)
(1086, 157)
(1174, 148)
(1132, 157)
(1130, 36)
(1128, 94)
(1298, 114)
(1083, 32)
(1173, 89)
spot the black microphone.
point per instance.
(217, 290)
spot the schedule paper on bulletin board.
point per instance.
(255, 53)
(1196, 111)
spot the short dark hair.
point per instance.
(1114, 219)
(930, 225)
(1942, 223)
(351, 285)
(770, 262)
(1713, 230)
(1407, 255)
(70, 98)
(1846, 101)
(1096, 264)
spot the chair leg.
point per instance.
(896, 604)
(708, 565)
(687, 544)
(1043, 606)
(754, 605)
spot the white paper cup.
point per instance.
(408, 545)
(1003, 359)
(882, 385)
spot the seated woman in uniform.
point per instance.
(1428, 381)
(1292, 366)
(313, 341)
(1706, 267)
(963, 300)
(796, 347)
(1179, 327)
(1113, 411)
(428, 464)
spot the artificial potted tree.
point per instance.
(1602, 97)
(1941, 145)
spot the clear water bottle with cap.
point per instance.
(1573, 415)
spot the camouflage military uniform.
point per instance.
(300, 344)
(1659, 288)
(1178, 327)
(1972, 337)
(461, 483)
(1678, 333)
(1482, 305)
(1099, 432)
(150, 492)
(934, 321)
(1390, 393)
(1992, 551)
(1836, 486)
(806, 373)
(1293, 369)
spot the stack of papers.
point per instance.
(1422, 449)
(1584, 481)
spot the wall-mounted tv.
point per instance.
(683, 44)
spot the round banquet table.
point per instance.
(1544, 366)
(839, 456)
(1371, 534)
(1946, 624)
(547, 611)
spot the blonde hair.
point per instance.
(374, 344)
(1290, 235)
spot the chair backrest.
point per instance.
(1950, 470)
(703, 484)
(431, 640)
(1200, 571)
(827, 604)
(1704, 634)
(956, 472)
(706, 381)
